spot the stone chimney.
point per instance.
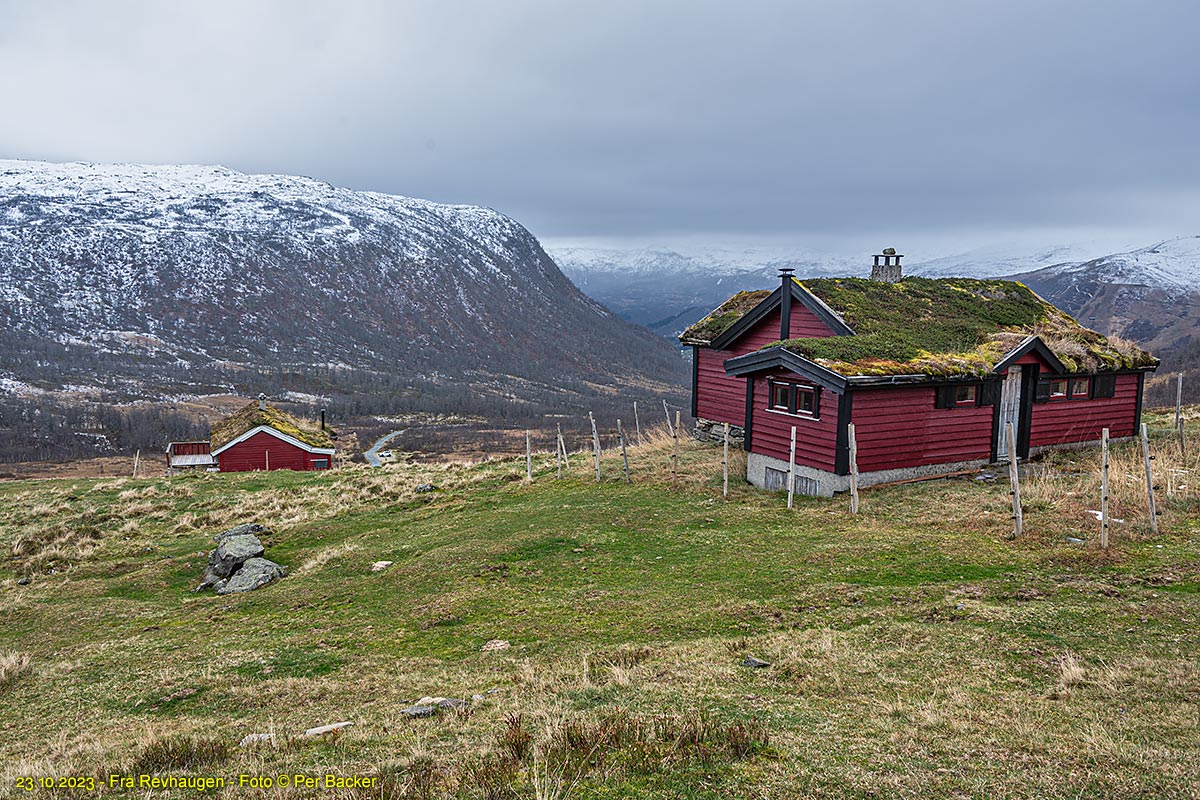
(262, 402)
(889, 270)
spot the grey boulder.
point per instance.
(240, 530)
(232, 552)
(255, 573)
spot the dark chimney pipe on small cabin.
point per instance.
(322, 419)
(889, 270)
(785, 302)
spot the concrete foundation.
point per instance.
(707, 430)
(764, 472)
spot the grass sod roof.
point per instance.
(725, 315)
(950, 327)
(250, 417)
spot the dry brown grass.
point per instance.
(13, 667)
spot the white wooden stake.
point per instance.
(1182, 444)
(667, 411)
(853, 441)
(624, 456)
(1149, 481)
(675, 436)
(528, 459)
(558, 455)
(595, 445)
(136, 459)
(637, 425)
(725, 463)
(267, 458)
(1014, 478)
(562, 446)
(1104, 489)
(792, 469)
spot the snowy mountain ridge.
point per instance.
(179, 274)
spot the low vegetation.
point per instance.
(946, 327)
(915, 650)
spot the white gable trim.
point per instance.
(321, 451)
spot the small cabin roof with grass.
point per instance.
(938, 328)
(260, 414)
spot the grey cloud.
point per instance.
(642, 118)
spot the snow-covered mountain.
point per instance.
(173, 278)
(1172, 266)
(1007, 258)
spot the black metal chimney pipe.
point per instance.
(322, 419)
(785, 302)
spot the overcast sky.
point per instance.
(833, 122)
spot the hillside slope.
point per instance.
(914, 650)
(149, 281)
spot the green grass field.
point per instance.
(915, 650)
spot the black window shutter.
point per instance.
(792, 398)
(770, 392)
(988, 393)
(1042, 393)
(816, 392)
(1104, 385)
(945, 397)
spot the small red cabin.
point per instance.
(931, 373)
(189, 455)
(261, 437)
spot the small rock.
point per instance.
(422, 488)
(248, 529)
(24, 582)
(492, 691)
(324, 729)
(451, 702)
(1074, 540)
(380, 566)
(418, 711)
(755, 663)
(475, 698)
(257, 738)
(495, 644)
(254, 574)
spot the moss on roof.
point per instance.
(250, 417)
(950, 327)
(720, 320)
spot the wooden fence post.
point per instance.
(1179, 399)
(1014, 478)
(528, 458)
(624, 456)
(595, 445)
(667, 411)
(725, 463)
(1182, 444)
(558, 455)
(1149, 481)
(136, 460)
(1104, 489)
(792, 469)
(853, 441)
(562, 444)
(636, 424)
(675, 445)
(267, 458)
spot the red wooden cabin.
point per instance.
(931, 375)
(261, 437)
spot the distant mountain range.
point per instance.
(129, 282)
(1149, 294)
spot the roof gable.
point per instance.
(251, 416)
(267, 429)
(738, 315)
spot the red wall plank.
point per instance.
(252, 454)
(723, 399)
(900, 428)
(771, 433)
(1065, 421)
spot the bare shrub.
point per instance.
(13, 667)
